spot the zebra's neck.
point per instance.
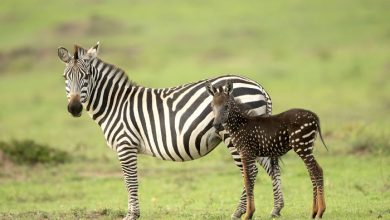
(236, 117)
(108, 86)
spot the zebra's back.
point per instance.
(176, 123)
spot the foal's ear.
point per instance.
(210, 88)
(228, 87)
(64, 55)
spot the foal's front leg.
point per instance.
(248, 164)
(241, 208)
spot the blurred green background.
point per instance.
(331, 57)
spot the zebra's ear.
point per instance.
(64, 55)
(210, 88)
(92, 52)
(228, 87)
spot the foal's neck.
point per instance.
(236, 117)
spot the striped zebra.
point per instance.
(168, 123)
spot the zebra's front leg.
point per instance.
(128, 158)
(271, 166)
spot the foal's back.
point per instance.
(290, 119)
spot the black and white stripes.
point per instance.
(168, 123)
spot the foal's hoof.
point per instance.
(246, 217)
(318, 214)
(234, 217)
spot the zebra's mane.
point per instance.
(131, 82)
(80, 51)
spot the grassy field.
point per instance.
(332, 57)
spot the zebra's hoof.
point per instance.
(275, 213)
(131, 217)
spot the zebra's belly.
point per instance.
(180, 150)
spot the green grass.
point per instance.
(206, 189)
(331, 57)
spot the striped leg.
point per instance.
(272, 169)
(128, 158)
(316, 176)
(248, 165)
(271, 166)
(241, 207)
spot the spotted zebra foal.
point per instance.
(269, 136)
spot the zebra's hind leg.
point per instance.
(271, 166)
(127, 156)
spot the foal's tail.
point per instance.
(319, 131)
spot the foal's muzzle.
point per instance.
(218, 127)
(75, 108)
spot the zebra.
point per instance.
(168, 123)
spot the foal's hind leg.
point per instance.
(320, 191)
(316, 176)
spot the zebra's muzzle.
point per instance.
(75, 108)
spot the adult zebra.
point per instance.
(170, 124)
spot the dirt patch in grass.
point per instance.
(81, 213)
(23, 59)
(6, 165)
(94, 25)
(18, 58)
(366, 143)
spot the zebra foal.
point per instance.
(173, 124)
(269, 136)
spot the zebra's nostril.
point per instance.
(75, 108)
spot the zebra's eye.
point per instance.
(85, 76)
